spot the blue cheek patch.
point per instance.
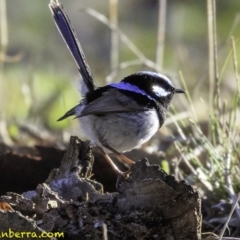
(129, 87)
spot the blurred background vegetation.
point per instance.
(39, 78)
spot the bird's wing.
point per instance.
(64, 27)
(111, 101)
(69, 113)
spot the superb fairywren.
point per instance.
(120, 116)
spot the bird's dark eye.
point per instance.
(160, 92)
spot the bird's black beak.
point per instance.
(178, 90)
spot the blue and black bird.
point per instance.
(120, 116)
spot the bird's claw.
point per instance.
(122, 176)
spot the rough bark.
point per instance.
(148, 205)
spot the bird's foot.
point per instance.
(123, 176)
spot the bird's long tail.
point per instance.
(64, 27)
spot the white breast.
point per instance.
(121, 131)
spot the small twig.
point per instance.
(230, 238)
(3, 37)
(104, 228)
(210, 49)
(229, 217)
(235, 64)
(229, 181)
(179, 129)
(123, 37)
(185, 160)
(228, 174)
(113, 18)
(3, 26)
(216, 74)
(188, 96)
(121, 66)
(161, 32)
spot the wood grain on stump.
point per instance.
(148, 205)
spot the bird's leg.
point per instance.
(115, 168)
(123, 157)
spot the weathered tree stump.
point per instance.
(148, 205)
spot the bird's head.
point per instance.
(156, 86)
